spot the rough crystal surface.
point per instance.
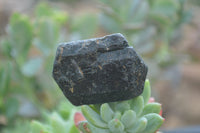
(99, 70)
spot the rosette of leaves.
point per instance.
(132, 116)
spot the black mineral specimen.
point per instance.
(99, 70)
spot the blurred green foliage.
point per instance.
(28, 48)
(21, 69)
(60, 121)
(83, 26)
(150, 25)
(26, 59)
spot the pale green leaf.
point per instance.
(106, 112)
(129, 118)
(93, 117)
(137, 104)
(152, 108)
(116, 126)
(139, 126)
(154, 122)
(86, 127)
(146, 92)
(122, 106)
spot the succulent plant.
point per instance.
(59, 121)
(137, 115)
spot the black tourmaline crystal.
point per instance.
(99, 70)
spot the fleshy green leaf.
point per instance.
(116, 126)
(146, 92)
(122, 106)
(151, 108)
(96, 107)
(117, 115)
(154, 122)
(93, 117)
(83, 126)
(129, 118)
(137, 104)
(106, 112)
(86, 127)
(139, 126)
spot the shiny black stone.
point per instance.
(99, 70)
